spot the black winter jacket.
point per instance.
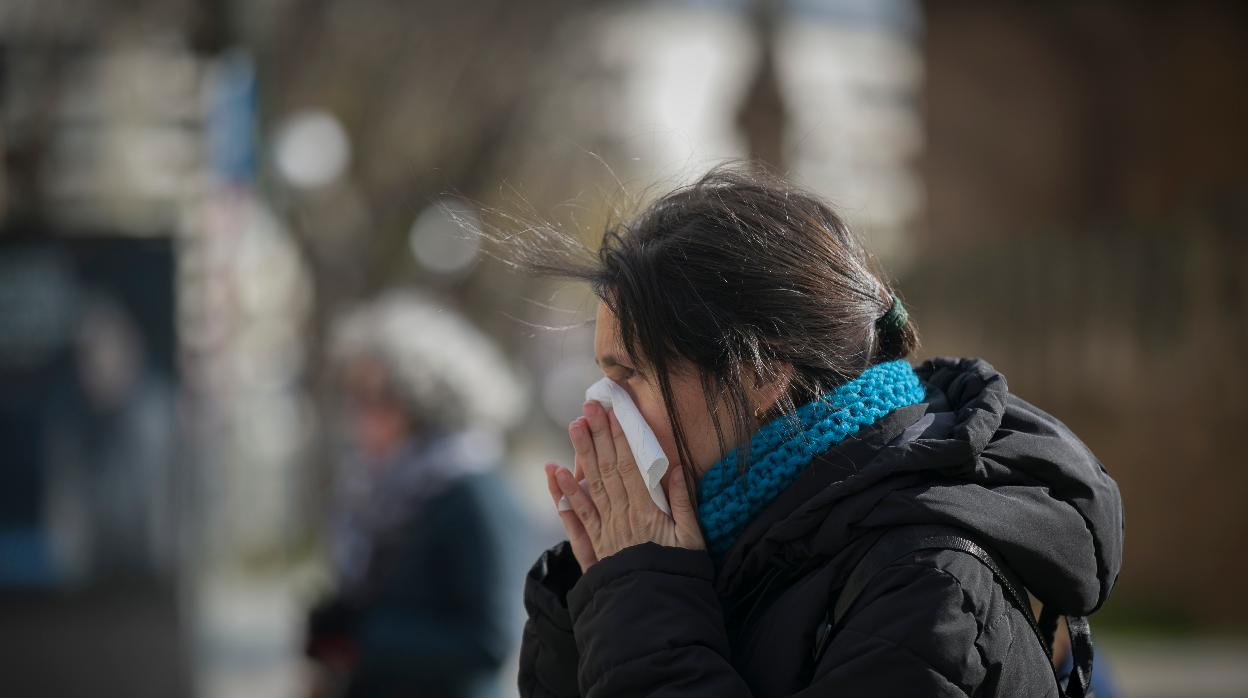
(653, 620)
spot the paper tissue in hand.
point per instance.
(647, 453)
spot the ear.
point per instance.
(766, 389)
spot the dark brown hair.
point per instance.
(740, 274)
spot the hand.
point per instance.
(615, 510)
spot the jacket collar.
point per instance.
(780, 535)
(973, 456)
(781, 450)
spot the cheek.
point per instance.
(377, 429)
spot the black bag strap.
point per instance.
(905, 540)
(1079, 684)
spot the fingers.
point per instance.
(587, 461)
(678, 497)
(596, 416)
(684, 514)
(604, 478)
(551, 484)
(582, 443)
(578, 538)
(634, 484)
(581, 503)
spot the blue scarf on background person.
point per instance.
(782, 448)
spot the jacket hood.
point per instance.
(972, 455)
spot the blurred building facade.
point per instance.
(1087, 231)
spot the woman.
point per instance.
(842, 523)
(422, 526)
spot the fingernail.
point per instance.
(564, 478)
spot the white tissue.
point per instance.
(647, 453)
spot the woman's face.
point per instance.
(379, 426)
(644, 390)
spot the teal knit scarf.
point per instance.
(779, 452)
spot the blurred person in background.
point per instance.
(111, 448)
(422, 525)
(842, 523)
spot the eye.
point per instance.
(624, 374)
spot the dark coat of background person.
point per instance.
(436, 620)
(658, 620)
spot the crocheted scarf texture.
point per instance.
(781, 449)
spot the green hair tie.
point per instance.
(896, 316)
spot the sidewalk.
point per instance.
(1181, 668)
